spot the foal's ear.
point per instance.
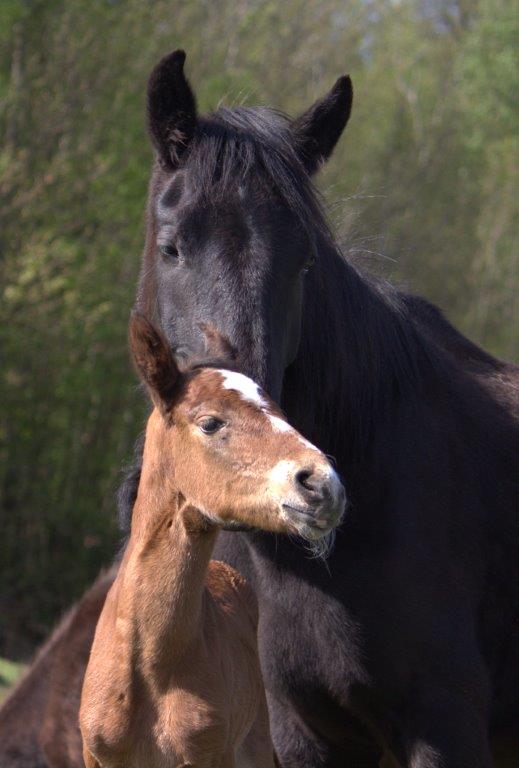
(171, 109)
(216, 344)
(154, 360)
(318, 130)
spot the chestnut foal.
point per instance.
(174, 676)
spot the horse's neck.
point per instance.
(361, 352)
(160, 599)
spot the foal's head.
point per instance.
(225, 446)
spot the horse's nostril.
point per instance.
(313, 485)
(304, 479)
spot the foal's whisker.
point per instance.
(318, 549)
(331, 459)
(321, 548)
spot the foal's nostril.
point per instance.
(304, 478)
(311, 485)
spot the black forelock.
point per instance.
(233, 145)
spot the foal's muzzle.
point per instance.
(317, 502)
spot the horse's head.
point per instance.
(234, 223)
(224, 445)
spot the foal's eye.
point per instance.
(310, 263)
(210, 424)
(169, 252)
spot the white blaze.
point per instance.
(280, 425)
(281, 473)
(247, 388)
(250, 391)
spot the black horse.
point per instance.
(405, 642)
(407, 639)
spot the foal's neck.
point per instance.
(162, 578)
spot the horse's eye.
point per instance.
(169, 252)
(310, 263)
(210, 424)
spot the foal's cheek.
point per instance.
(190, 465)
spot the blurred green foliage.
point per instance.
(424, 186)
(10, 673)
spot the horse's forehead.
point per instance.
(175, 195)
(172, 192)
(198, 214)
(185, 188)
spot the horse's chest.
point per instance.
(308, 642)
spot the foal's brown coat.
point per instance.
(174, 676)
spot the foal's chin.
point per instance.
(235, 525)
(227, 524)
(319, 542)
(316, 527)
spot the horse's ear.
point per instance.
(171, 109)
(154, 360)
(318, 130)
(216, 344)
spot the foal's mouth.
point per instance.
(307, 517)
(309, 523)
